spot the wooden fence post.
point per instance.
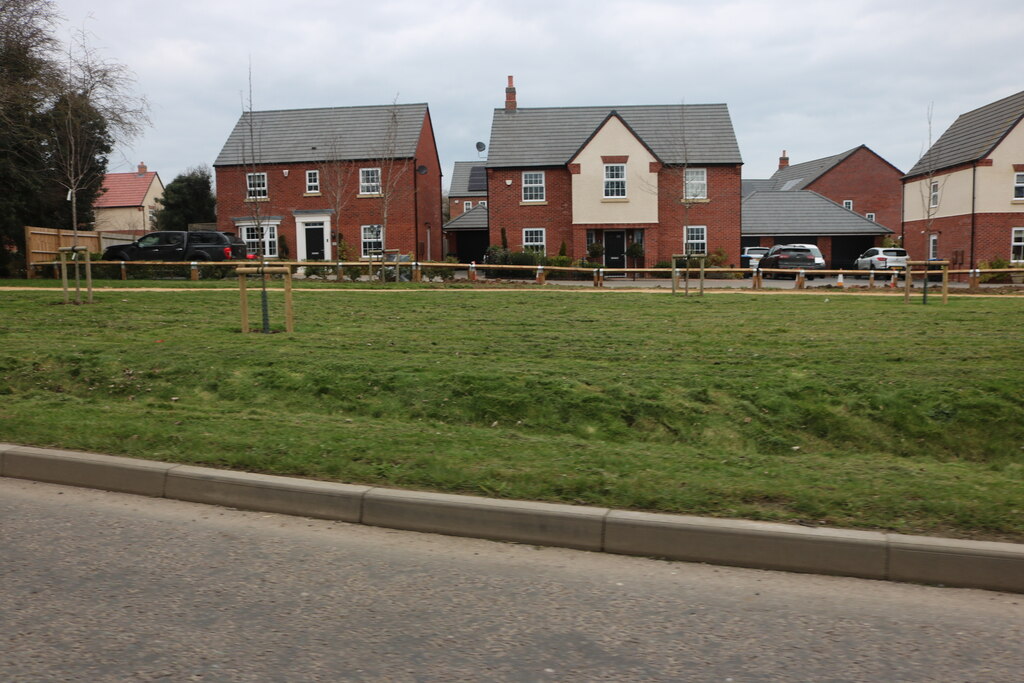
(244, 303)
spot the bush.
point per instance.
(353, 273)
(446, 274)
(313, 272)
(995, 278)
(524, 258)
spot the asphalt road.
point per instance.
(96, 586)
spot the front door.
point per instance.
(315, 243)
(615, 248)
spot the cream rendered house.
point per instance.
(128, 201)
(964, 200)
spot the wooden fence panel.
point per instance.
(42, 244)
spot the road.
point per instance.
(96, 586)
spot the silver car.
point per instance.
(882, 258)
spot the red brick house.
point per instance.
(664, 176)
(858, 179)
(468, 187)
(327, 184)
(857, 197)
(964, 200)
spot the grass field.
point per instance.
(844, 410)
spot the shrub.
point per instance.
(524, 258)
(996, 278)
(446, 274)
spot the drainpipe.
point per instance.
(415, 212)
(974, 200)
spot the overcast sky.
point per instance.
(813, 78)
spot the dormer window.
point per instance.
(614, 181)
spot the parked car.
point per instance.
(792, 257)
(751, 256)
(179, 245)
(882, 258)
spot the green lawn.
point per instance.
(847, 410)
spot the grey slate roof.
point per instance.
(802, 212)
(973, 135)
(474, 219)
(335, 133)
(552, 136)
(756, 185)
(462, 174)
(799, 176)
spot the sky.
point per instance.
(812, 78)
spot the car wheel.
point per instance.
(198, 256)
(118, 256)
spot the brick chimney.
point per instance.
(142, 168)
(783, 160)
(510, 96)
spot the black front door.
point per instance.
(315, 243)
(615, 248)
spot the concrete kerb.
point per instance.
(762, 545)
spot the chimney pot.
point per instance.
(510, 96)
(783, 160)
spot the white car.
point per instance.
(882, 258)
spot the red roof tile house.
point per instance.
(128, 201)
(964, 200)
(334, 183)
(666, 177)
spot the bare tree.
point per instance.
(93, 109)
(339, 185)
(392, 173)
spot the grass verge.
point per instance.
(848, 411)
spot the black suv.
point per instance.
(179, 245)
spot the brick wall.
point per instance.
(872, 183)
(992, 236)
(721, 213)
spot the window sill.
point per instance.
(537, 202)
(257, 199)
(695, 200)
(614, 200)
(311, 194)
(368, 196)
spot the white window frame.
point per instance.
(482, 202)
(256, 186)
(250, 233)
(933, 192)
(466, 206)
(1018, 185)
(534, 188)
(369, 181)
(615, 181)
(933, 246)
(535, 240)
(695, 183)
(870, 216)
(313, 181)
(1017, 245)
(367, 239)
(848, 204)
(694, 235)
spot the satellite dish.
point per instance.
(480, 146)
(422, 170)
